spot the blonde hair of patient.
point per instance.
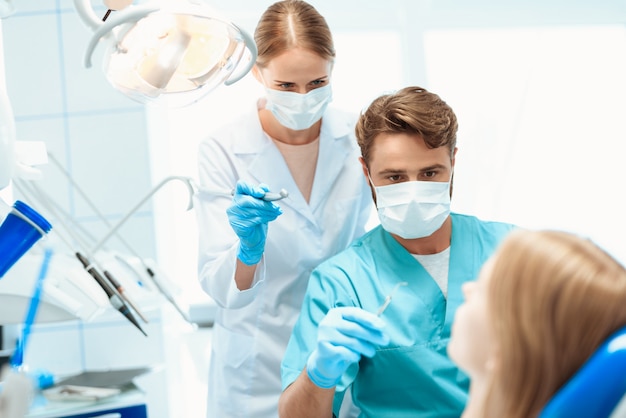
(554, 298)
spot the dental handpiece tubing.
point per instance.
(114, 298)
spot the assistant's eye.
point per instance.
(318, 83)
(394, 178)
(429, 174)
(286, 86)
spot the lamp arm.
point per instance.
(186, 180)
(103, 29)
(87, 15)
(251, 45)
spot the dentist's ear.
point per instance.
(366, 173)
(256, 72)
(453, 159)
(452, 175)
(365, 169)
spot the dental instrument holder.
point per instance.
(21, 229)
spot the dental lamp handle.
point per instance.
(105, 28)
(251, 45)
(86, 13)
(88, 16)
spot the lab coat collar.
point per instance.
(334, 125)
(269, 167)
(336, 144)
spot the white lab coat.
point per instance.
(252, 327)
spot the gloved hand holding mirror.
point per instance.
(249, 215)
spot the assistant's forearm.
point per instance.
(303, 399)
(244, 275)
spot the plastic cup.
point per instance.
(21, 229)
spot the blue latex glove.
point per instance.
(344, 335)
(248, 216)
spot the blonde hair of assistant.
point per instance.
(292, 23)
(554, 298)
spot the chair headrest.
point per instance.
(597, 387)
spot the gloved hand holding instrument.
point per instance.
(249, 215)
(344, 335)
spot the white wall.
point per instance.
(537, 87)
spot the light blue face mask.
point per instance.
(413, 209)
(298, 111)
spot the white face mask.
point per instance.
(298, 111)
(413, 209)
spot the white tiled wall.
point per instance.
(100, 137)
(97, 134)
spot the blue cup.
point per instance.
(21, 229)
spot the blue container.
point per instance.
(21, 229)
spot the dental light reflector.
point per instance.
(172, 56)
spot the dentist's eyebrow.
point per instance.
(389, 171)
(433, 167)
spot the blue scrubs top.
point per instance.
(412, 376)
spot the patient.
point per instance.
(543, 303)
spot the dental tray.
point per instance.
(79, 393)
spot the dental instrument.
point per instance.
(120, 289)
(115, 300)
(387, 301)
(35, 192)
(270, 196)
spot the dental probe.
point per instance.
(268, 197)
(387, 301)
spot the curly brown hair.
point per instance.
(412, 110)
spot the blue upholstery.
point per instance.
(596, 389)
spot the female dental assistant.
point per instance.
(255, 256)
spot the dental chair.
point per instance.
(597, 388)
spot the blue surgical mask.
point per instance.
(298, 111)
(413, 209)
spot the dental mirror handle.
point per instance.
(271, 197)
(268, 196)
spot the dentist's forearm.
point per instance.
(303, 399)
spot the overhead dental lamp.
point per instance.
(170, 53)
